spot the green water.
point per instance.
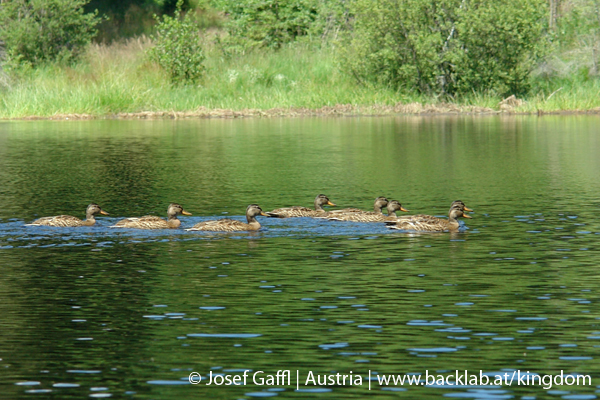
(97, 312)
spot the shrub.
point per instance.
(446, 47)
(501, 42)
(177, 48)
(37, 31)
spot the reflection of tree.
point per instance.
(7, 198)
(133, 168)
(62, 168)
(66, 295)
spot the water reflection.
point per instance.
(95, 312)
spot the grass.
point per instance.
(119, 79)
(565, 95)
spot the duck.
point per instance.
(370, 216)
(428, 223)
(456, 203)
(299, 211)
(152, 222)
(380, 202)
(230, 225)
(64, 221)
(461, 204)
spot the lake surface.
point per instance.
(97, 312)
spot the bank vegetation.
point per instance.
(233, 58)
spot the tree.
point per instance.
(127, 18)
(36, 31)
(267, 23)
(446, 47)
(577, 34)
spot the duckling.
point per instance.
(69, 221)
(380, 202)
(152, 222)
(230, 225)
(428, 223)
(370, 216)
(299, 211)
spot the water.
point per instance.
(97, 312)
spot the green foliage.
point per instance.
(129, 18)
(333, 18)
(266, 23)
(446, 47)
(577, 41)
(177, 49)
(502, 42)
(37, 31)
(581, 19)
(118, 78)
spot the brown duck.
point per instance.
(230, 225)
(299, 211)
(152, 222)
(379, 203)
(69, 221)
(428, 223)
(456, 203)
(370, 216)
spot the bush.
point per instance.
(447, 47)
(177, 48)
(266, 23)
(37, 31)
(501, 42)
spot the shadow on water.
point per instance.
(99, 312)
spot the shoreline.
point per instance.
(340, 110)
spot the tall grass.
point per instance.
(118, 78)
(109, 79)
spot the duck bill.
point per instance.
(403, 209)
(263, 214)
(186, 213)
(104, 212)
(467, 216)
(468, 209)
(330, 203)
